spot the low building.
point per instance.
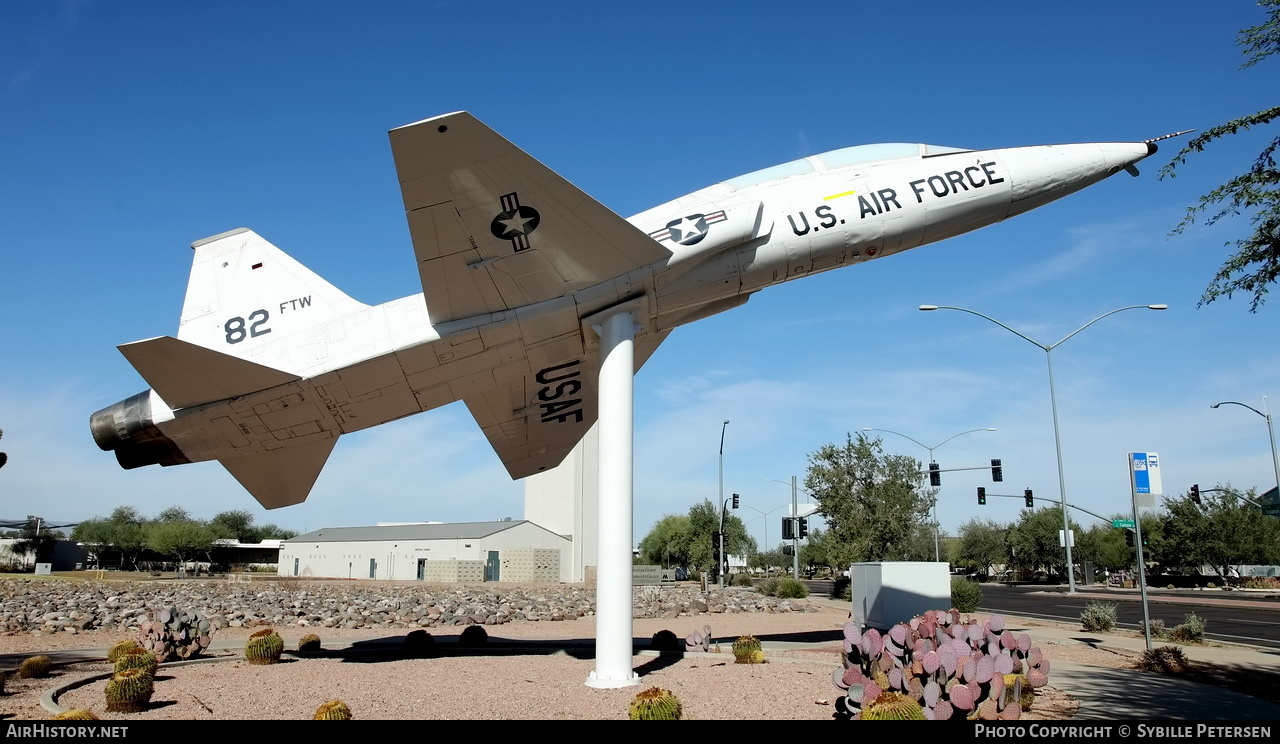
(514, 551)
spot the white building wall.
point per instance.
(398, 560)
(566, 500)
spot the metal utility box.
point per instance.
(888, 593)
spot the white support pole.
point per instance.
(614, 626)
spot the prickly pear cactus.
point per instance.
(334, 710)
(263, 647)
(173, 634)
(129, 691)
(953, 668)
(655, 704)
(747, 650)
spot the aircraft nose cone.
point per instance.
(1045, 173)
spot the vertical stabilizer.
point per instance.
(244, 292)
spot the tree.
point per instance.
(174, 514)
(181, 540)
(36, 539)
(128, 534)
(982, 545)
(1256, 263)
(668, 543)
(871, 502)
(1224, 530)
(1034, 541)
(96, 535)
(692, 536)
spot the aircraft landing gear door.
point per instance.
(295, 566)
(422, 569)
(373, 568)
(492, 570)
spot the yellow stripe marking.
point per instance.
(837, 196)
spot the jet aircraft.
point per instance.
(271, 363)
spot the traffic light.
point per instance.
(1195, 492)
(788, 550)
(1128, 537)
(935, 477)
(803, 524)
(997, 472)
(982, 496)
(735, 501)
(1030, 501)
(788, 528)
(715, 548)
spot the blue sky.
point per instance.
(130, 130)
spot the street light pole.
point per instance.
(1053, 402)
(936, 552)
(795, 539)
(1271, 432)
(720, 561)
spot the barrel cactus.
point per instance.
(893, 706)
(35, 666)
(129, 691)
(264, 647)
(418, 643)
(747, 650)
(655, 704)
(76, 714)
(309, 644)
(120, 647)
(137, 658)
(334, 710)
(473, 636)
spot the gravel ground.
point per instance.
(487, 685)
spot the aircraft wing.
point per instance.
(533, 419)
(494, 229)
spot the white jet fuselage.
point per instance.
(527, 369)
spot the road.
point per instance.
(1235, 617)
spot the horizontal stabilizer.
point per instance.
(281, 477)
(186, 375)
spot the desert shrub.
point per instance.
(1098, 616)
(770, 586)
(1190, 630)
(742, 579)
(965, 594)
(1165, 659)
(1157, 628)
(792, 589)
(842, 588)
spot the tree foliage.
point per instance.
(1224, 530)
(689, 537)
(1256, 263)
(982, 545)
(1033, 540)
(873, 503)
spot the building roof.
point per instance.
(438, 531)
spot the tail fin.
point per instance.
(244, 292)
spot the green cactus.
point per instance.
(120, 647)
(264, 647)
(1017, 689)
(747, 650)
(655, 704)
(76, 714)
(334, 710)
(137, 658)
(892, 706)
(35, 666)
(129, 691)
(309, 643)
